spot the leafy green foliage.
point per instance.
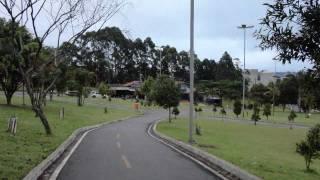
(237, 106)
(175, 112)
(198, 109)
(267, 110)
(256, 113)
(292, 28)
(225, 88)
(214, 109)
(289, 90)
(310, 148)
(223, 111)
(226, 69)
(146, 88)
(103, 89)
(10, 76)
(166, 93)
(79, 81)
(260, 94)
(291, 117)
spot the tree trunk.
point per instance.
(169, 115)
(255, 123)
(79, 101)
(43, 119)
(45, 101)
(23, 101)
(299, 99)
(308, 161)
(51, 95)
(9, 98)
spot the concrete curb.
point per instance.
(37, 171)
(226, 169)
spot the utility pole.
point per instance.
(274, 87)
(160, 61)
(23, 101)
(244, 27)
(160, 52)
(191, 73)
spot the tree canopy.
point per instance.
(166, 93)
(291, 27)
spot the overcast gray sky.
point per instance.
(216, 21)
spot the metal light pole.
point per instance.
(244, 27)
(274, 87)
(160, 51)
(160, 61)
(191, 73)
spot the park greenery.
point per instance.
(164, 92)
(267, 110)
(237, 107)
(291, 28)
(175, 112)
(86, 63)
(102, 56)
(256, 114)
(30, 145)
(94, 59)
(291, 117)
(26, 58)
(266, 151)
(310, 148)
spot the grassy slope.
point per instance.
(18, 154)
(265, 151)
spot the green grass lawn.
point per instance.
(265, 151)
(279, 117)
(20, 153)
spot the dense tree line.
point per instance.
(39, 66)
(107, 55)
(92, 58)
(117, 59)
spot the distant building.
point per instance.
(264, 77)
(131, 89)
(259, 77)
(127, 89)
(184, 89)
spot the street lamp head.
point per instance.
(244, 26)
(158, 48)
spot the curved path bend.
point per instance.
(124, 151)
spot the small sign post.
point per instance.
(12, 125)
(61, 113)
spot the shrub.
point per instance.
(310, 147)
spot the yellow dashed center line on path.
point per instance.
(126, 162)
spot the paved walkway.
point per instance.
(124, 151)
